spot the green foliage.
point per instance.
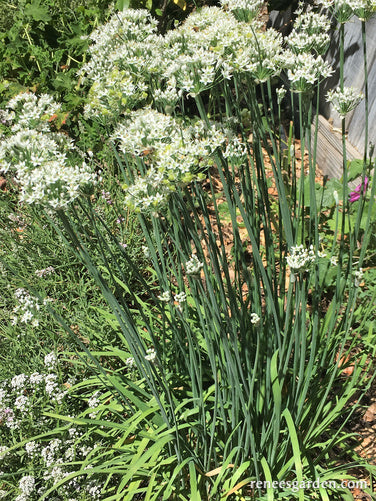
(43, 43)
(206, 355)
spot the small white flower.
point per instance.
(165, 297)
(130, 362)
(255, 319)
(151, 354)
(50, 361)
(358, 277)
(300, 258)
(334, 260)
(18, 382)
(344, 101)
(94, 400)
(146, 251)
(32, 448)
(181, 297)
(47, 271)
(193, 266)
(22, 403)
(27, 485)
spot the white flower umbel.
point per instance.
(243, 10)
(165, 297)
(364, 9)
(310, 33)
(27, 111)
(344, 101)
(150, 354)
(193, 265)
(46, 164)
(300, 259)
(305, 70)
(255, 319)
(172, 156)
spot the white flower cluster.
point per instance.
(124, 52)
(310, 33)
(300, 258)
(180, 298)
(305, 70)
(27, 485)
(28, 112)
(343, 10)
(255, 319)
(132, 66)
(93, 403)
(212, 45)
(165, 297)
(50, 361)
(174, 154)
(359, 274)
(193, 265)
(345, 100)
(27, 308)
(17, 396)
(244, 10)
(46, 164)
(151, 354)
(46, 271)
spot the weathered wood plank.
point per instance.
(329, 149)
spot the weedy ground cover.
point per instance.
(164, 368)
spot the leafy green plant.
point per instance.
(223, 369)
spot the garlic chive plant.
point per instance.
(224, 369)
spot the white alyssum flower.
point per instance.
(43, 273)
(94, 400)
(255, 319)
(193, 265)
(22, 403)
(344, 101)
(27, 485)
(50, 361)
(19, 382)
(36, 378)
(52, 388)
(26, 311)
(32, 448)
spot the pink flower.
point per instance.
(355, 195)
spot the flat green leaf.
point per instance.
(37, 12)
